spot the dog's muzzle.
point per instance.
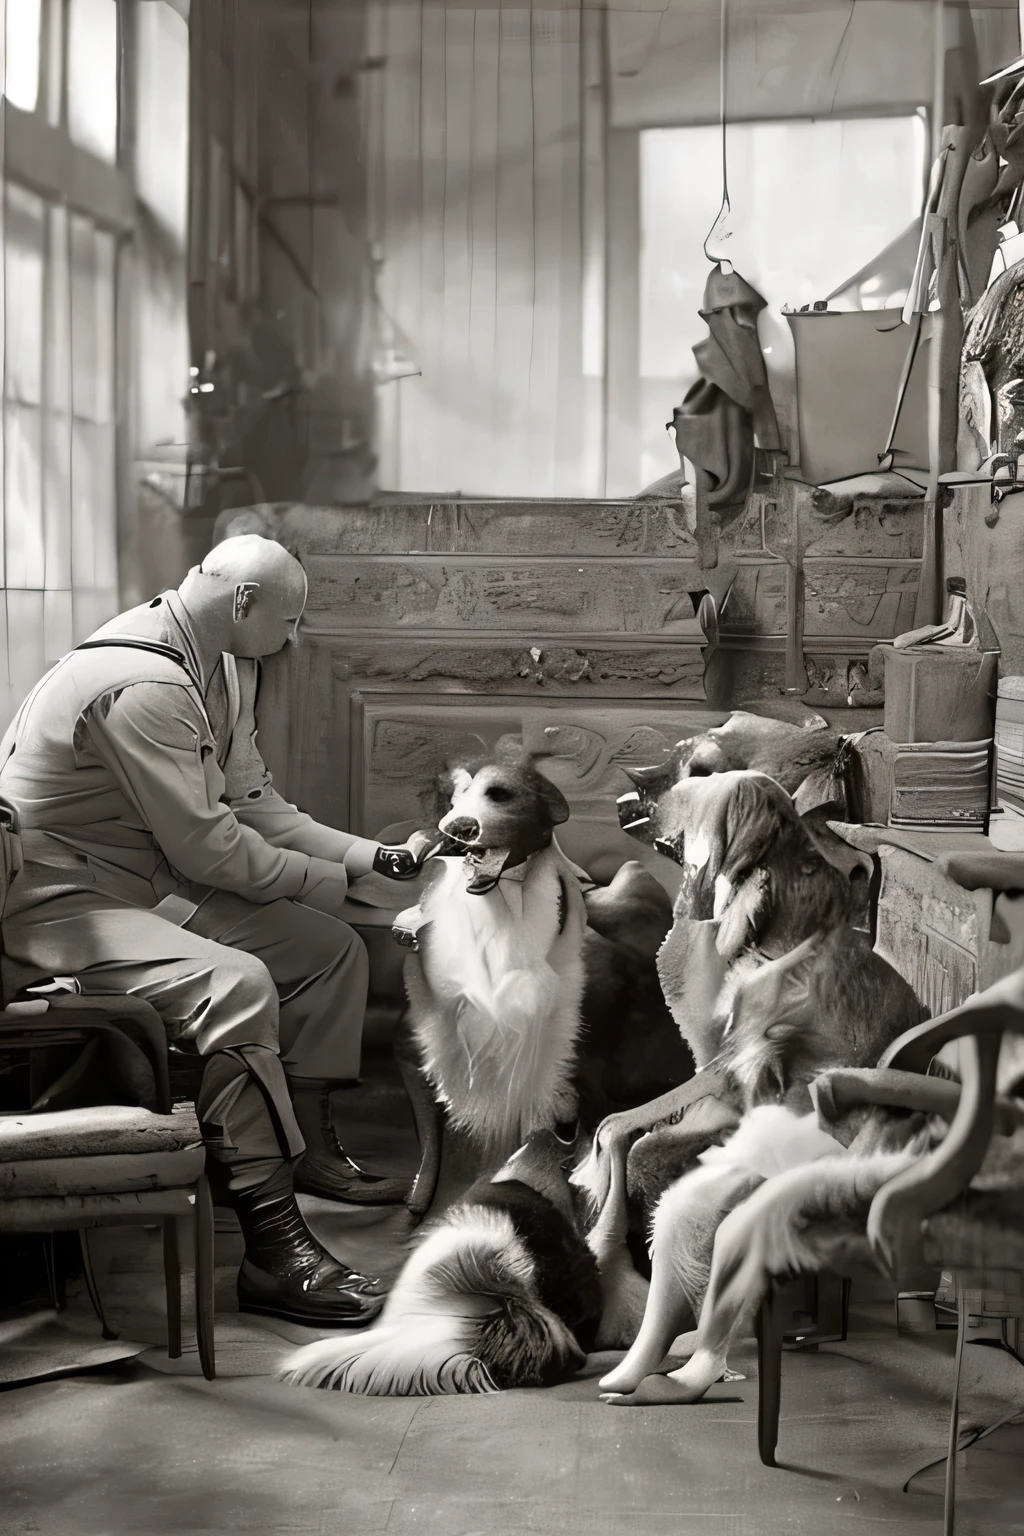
(464, 829)
(634, 813)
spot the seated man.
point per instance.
(160, 862)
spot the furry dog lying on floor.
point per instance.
(502, 1291)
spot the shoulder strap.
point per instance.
(136, 643)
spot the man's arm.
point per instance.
(155, 741)
(257, 804)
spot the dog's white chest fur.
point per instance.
(495, 995)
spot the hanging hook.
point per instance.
(720, 228)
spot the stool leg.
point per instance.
(205, 1264)
(91, 1286)
(172, 1286)
(769, 1374)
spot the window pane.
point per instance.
(83, 318)
(161, 145)
(57, 498)
(92, 76)
(83, 502)
(23, 296)
(57, 333)
(23, 496)
(21, 57)
(26, 651)
(57, 639)
(54, 77)
(103, 258)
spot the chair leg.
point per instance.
(770, 1330)
(50, 1265)
(92, 1287)
(949, 1499)
(205, 1265)
(847, 1289)
(172, 1286)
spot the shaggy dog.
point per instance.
(533, 996)
(495, 985)
(756, 889)
(502, 1291)
(769, 984)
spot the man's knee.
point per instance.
(327, 942)
(242, 1008)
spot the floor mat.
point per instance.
(44, 1344)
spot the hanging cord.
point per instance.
(726, 206)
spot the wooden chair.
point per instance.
(79, 1168)
(928, 1218)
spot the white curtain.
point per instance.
(477, 175)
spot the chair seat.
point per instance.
(104, 1131)
(57, 1213)
(118, 1173)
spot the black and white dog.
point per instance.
(502, 1292)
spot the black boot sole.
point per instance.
(387, 1192)
(284, 1316)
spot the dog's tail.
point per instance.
(464, 1316)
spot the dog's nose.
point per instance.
(464, 829)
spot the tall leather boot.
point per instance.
(285, 1272)
(326, 1169)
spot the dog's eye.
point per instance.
(698, 771)
(499, 794)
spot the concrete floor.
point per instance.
(147, 1446)
(130, 1450)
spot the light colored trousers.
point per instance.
(253, 988)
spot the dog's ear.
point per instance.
(743, 913)
(753, 816)
(556, 803)
(453, 782)
(650, 779)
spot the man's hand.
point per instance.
(403, 861)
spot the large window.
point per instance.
(66, 221)
(812, 202)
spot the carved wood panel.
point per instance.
(402, 741)
(521, 596)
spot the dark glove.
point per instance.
(403, 861)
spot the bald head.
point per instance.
(247, 595)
